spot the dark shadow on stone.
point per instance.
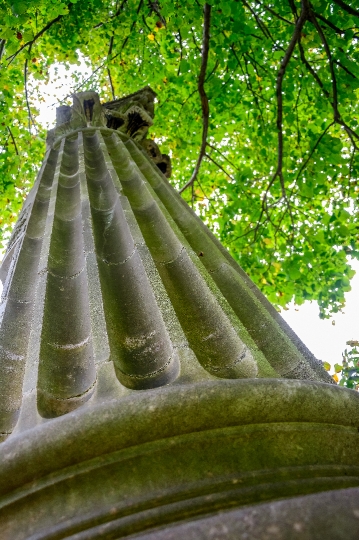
(88, 108)
(114, 123)
(135, 122)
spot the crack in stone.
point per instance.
(148, 375)
(173, 260)
(120, 262)
(210, 367)
(73, 276)
(70, 346)
(72, 398)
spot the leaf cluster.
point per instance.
(349, 368)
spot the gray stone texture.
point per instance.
(147, 387)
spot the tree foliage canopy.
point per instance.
(257, 105)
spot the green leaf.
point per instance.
(338, 368)
(18, 8)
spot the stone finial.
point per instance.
(131, 115)
(87, 110)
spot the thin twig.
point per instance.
(311, 70)
(205, 196)
(105, 61)
(250, 87)
(87, 79)
(181, 47)
(329, 23)
(224, 157)
(112, 16)
(132, 27)
(13, 140)
(31, 120)
(184, 103)
(261, 25)
(108, 67)
(293, 7)
(267, 8)
(351, 169)
(111, 83)
(194, 41)
(247, 80)
(338, 62)
(213, 71)
(331, 66)
(313, 150)
(347, 8)
(26, 96)
(297, 116)
(202, 93)
(254, 61)
(219, 166)
(154, 6)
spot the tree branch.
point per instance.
(347, 8)
(329, 23)
(2, 47)
(88, 78)
(213, 71)
(295, 38)
(26, 96)
(337, 116)
(254, 61)
(36, 37)
(202, 93)
(300, 21)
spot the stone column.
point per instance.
(147, 387)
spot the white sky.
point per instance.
(61, 85)
(325, 338)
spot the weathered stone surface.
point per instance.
(330, 515)
(146, 391)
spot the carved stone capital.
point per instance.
(131, 115)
